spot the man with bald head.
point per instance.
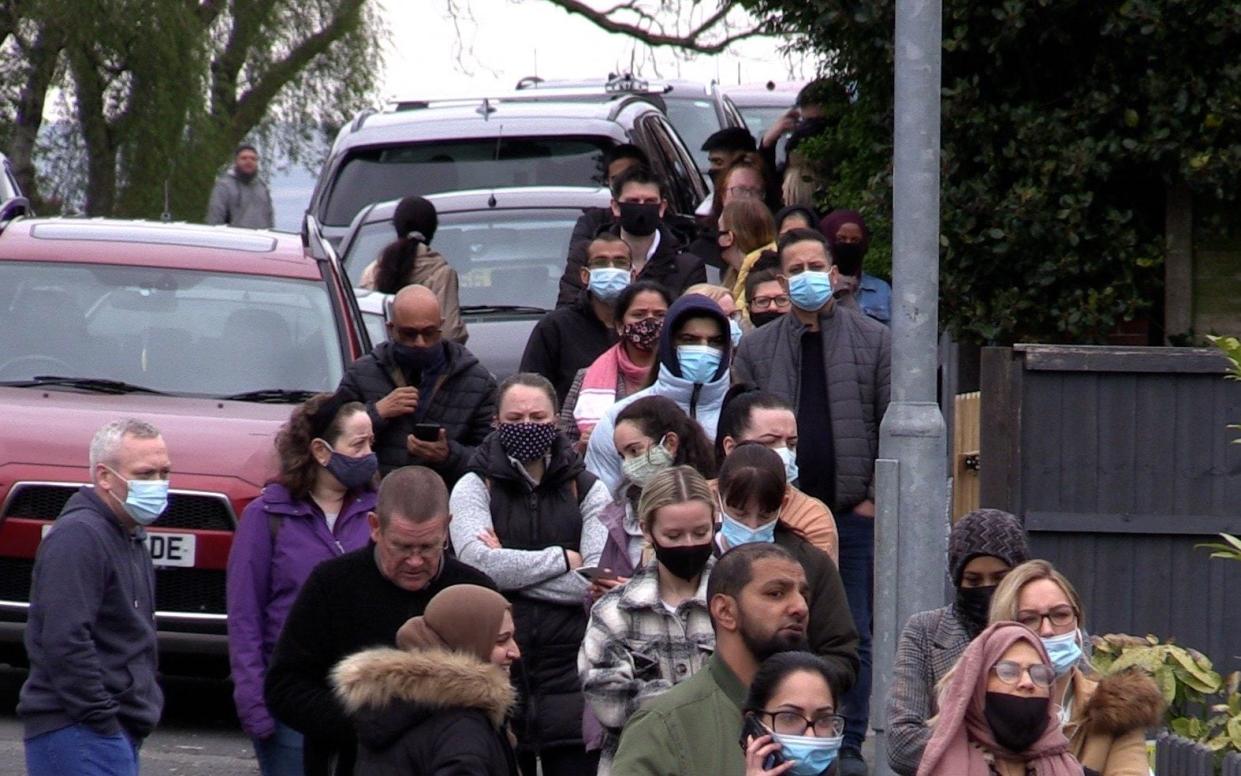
(357, 601)
(430, 400)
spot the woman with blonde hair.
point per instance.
(728, 304)
(655, 630)
(1105, 719)
(746, 230)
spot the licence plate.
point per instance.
(167, 549)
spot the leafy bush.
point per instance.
(1063, 124)
(1202, 705)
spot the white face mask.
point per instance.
(790, 463)
(642, 467)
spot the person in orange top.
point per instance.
(758, 416)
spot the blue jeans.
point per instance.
(280, 754)
(79, 751)
(857, 572)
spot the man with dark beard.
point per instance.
(757, 598)
(240, 198)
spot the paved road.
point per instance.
(198, 735)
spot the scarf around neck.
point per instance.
(599, 385)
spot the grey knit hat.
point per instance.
(991, 532)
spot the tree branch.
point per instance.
(254, 103)
(692, 40)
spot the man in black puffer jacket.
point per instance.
(419, 378)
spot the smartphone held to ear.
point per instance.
(752, 728)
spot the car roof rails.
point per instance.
(361, 118)
(12, 209)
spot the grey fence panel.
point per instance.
(1176, 756)
(1119, 461)
(1232, 765)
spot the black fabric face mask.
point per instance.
(685, 562)
(765, 317)
(1016, 721)
(848, 258)
(639, 219)
(972, 606)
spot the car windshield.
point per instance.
(169, 330)
(510, 257)
(695, 121)
(379, 174)
(759, 118)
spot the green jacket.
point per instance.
(692, 729)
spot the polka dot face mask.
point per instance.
(527, 441)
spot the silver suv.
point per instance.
(515, 140)
(508, 247)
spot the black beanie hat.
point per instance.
(991, 532)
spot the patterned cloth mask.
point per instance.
(527, 441)
(644, 333)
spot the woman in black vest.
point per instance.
(527, 514)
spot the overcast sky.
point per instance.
(505, 40)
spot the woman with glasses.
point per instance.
(983, 548)
(791, 707)
(655, 630)
(766, 297)
(1105, 719)
(996, 717)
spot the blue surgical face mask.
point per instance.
(734, 330)
(790, 463)
(606, 283)
(810, 290)
(813, 754)
(1064, 651)
(737, 533)
(699, 363)
(146, 499)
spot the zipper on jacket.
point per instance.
(693, 400)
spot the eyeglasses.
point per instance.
(790, 723)
(760, 303)
(1059, 616)
(743, 192)
(1009, 672)
(429, 335)
(423, 551)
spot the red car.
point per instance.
(211, 333)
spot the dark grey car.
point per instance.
(508, 247)
(512, 141)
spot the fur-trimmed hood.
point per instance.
(1119, 703)
(388, 691)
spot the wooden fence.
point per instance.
(1119, 461)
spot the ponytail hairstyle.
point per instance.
(415, 222)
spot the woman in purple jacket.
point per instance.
(315, 509)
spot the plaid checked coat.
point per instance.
(929, 646)
(635, 649)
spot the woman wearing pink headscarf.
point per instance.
(995, 712)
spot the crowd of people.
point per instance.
(649, 552)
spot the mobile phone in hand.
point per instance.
(593, 573)
(427, 432)
(752, 728)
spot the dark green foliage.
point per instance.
(1064, 122)
(160, 92)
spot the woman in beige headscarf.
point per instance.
(443, 698)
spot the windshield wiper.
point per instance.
(501, 308)
(97, 384)
(271, 395)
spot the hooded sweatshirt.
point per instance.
(701, 401)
